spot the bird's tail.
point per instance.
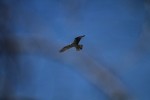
(79, 47)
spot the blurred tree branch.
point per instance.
(95, 72)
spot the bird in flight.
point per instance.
(75, 44)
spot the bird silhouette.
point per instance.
(75, 44)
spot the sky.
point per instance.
(113, 64)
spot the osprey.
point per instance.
(75, 44)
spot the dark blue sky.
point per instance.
(117, 40)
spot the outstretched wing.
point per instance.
(77, 39)
(66, 48)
